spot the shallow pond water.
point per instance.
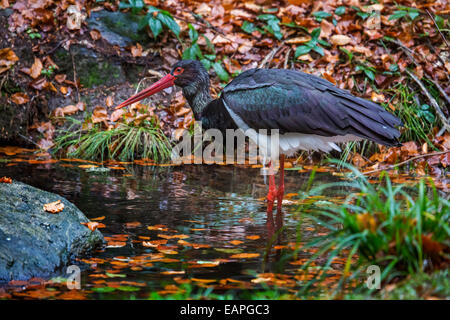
(213, 218)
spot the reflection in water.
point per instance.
(213, 205)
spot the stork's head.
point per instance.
(187, 74)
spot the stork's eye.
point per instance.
(178, 71)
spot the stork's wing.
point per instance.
(293, 101)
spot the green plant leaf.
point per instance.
(155, 26)
(301, 50)
(193, 34)
(398, 14)
(220, 71)
(169, 22)
(209, 44)
(370, 74)
(267, 17)
(319, 50)
(340, 10)
(274, 28)
(439, 21)
(206, 63)
(315, 33)
(248, 27)
(320, 15)
(413, 14)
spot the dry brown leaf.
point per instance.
(75, 18)
(70, 109)
(99, 114)
(95, 35)
(340, 39)
(60, 78)
(35, 70)
(109, 101)
(298, 40)
(54, 207)
(20, 98)
(117, 114)
(7, 59)
(136, 51)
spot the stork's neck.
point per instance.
(198, 96)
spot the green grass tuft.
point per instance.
(380, 224)
(125, 142)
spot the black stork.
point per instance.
(310, 112)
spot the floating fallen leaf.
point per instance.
(203, 280)
(92, 225)
(176, 236)
(20, 98)
(159, 227)
(171, 272)
(54, 207)
(99, 218)
(131, 225)
(245, 255)
(5, 180)
(154, 243)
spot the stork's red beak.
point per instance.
(163, 83)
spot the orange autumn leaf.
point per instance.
(109, 101)
(131, 225)
(5, 180)
(176, 236)
(203, 280)
(136, 51)
(7, 59)
(171, 272)
(98, 218)
(54, 207)
(99, 114)
(153, 243)
(245, 255)
(92, 225)
(20, 98)
(159, 227)
(35, 70)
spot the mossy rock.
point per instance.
(36, 243)
(118, 28)
(91, 68)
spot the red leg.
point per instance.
(272, 190)
(270, 200)
(280, 191)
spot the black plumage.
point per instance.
(293, 101)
